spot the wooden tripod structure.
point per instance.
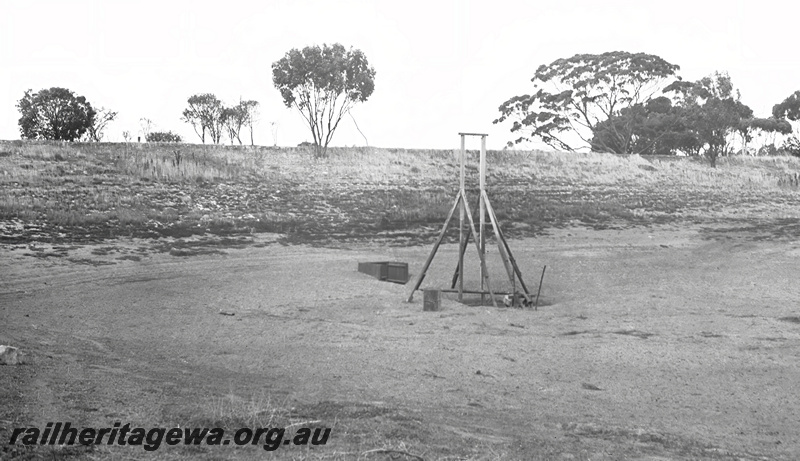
(485, 207)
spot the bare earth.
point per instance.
(651, 343)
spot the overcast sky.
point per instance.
(442, 66)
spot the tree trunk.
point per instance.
(712, 157)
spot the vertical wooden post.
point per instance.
(483, 260)
(482, 206)
(461, 236)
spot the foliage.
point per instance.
(101, 120)
(654, 128)
(789, 108)
(608, 102)
(706, 119)
(577, 94)
(323, 84)
(163, 136)
(55, 113)
(792, 146)
(206, 114)
(770, 125)
(712, 112)
(765, 128)
(234, 118)
(250, 110)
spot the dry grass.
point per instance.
(232, 412)
(595, 168)
(128, 188)
(37, 162)
(355, 435)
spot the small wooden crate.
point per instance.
(396, 272)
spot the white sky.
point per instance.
(442, 66)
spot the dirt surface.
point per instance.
(650, 343)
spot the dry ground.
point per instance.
(652, 343)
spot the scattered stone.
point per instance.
(9, 355)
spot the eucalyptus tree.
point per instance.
(206, 114)
(573, 96)
(323, 84)
(56, 114)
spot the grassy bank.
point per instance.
(89, 191)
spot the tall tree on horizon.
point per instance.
(250, 109)
(323, 84)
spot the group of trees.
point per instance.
(620, 102)
(207, 114)
(59, 114)
(322, 83)
(634, 103)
